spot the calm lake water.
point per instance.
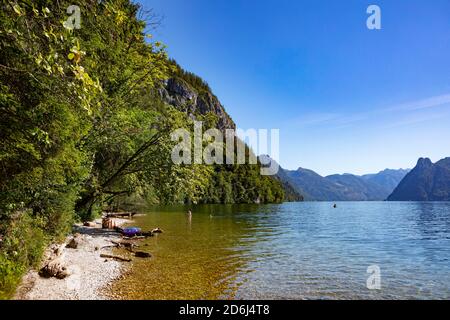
(294, 251)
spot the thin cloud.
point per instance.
(316, 119)
(431, 102)
(340, 121)
(418, 117)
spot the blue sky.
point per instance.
(345, 98)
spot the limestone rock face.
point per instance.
(181, 95)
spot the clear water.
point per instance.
(294, 251)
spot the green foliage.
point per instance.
(46, 102)
(22, 247)
(290, 193)
(242, 184)
(192, 79)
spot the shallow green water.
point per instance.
(293, 251)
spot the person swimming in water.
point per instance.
(335, 206)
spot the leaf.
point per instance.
(71, 56)
(38, 60)
(18, 10)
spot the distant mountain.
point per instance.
(426, 182)
(355, 188)
(346, 187)
(388, 178)
(291, 193)
(314, 186)
(304, 184)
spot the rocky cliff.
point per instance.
(194, 101)
(191, 95)
(426, 182)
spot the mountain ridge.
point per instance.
(343, 187)
(428, 181)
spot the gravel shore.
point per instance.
(89, 274)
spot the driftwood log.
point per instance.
(140, 235)
(89, 224)
(146, 234)
(120, 215)
(123, 244)
(109, 256)
(134, 238)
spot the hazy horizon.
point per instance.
(345, 98)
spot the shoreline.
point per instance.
(90, 275)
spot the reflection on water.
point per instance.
(294, 251)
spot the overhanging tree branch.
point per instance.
(153, 141)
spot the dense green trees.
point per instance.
(82, 126)
(45, 113)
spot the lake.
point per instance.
(304, 250)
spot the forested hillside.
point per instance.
(86, 120)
